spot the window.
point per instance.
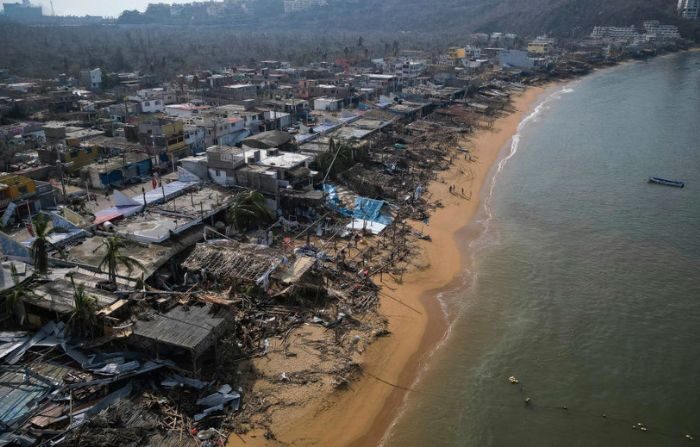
(218, 173)
(147, 104)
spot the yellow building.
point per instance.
(165, 134)
(14, 187)
(456, 53)
(539, 47)
(174, 133)
(79, 157)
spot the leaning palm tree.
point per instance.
(83, 317)
(337, 159)
(41, 244)
(115, 257)
(247, 210)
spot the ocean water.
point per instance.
(585, 280)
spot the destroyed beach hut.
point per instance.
(230, 263)
(183, 334)
(54, 296)
(49, 385)
(371, 182)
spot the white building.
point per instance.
(621, 34)
(278, 120)
(409, 69)
(223, 161)
(472, 52)
(328, 104)
(195, 137)
(91, 78)
(187, 110)
(151, 105)
(166, 96)
(656, 31)
(689, 9)
(96, 78)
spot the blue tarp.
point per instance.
(365, 209)
(334, 201)
(11, 247)
(371, 210)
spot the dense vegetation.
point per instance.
(166, 50)
(163, 43)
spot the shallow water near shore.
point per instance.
(585, 279)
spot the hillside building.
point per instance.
(689, 9)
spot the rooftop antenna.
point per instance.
(53, 11)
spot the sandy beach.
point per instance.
(362, 415)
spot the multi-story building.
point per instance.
(91, 78)
(238, 92)
(24, 195)
(541, 45)
(195, 137)
(223, 161)
(455, 53)
(473, 52)
(164, 138)
(615, 34)
(72, 158)
(410, 69)
(689, 9)
(328, 104)
(656, 31)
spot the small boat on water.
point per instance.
(666, 182)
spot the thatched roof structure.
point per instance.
(230, 260)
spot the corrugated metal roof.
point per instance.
(20, 393)
(185, 327)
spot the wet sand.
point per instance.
(362, 415)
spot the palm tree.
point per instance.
(114, 257)
(248, 209)
(14, 298)
(338, 159)
(83, 317)
(41, 244)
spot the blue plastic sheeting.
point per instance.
(370, 210)
(365, 209)
(11, 247)
(333, 200)
(60, 222)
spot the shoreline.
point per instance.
(363, 415)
